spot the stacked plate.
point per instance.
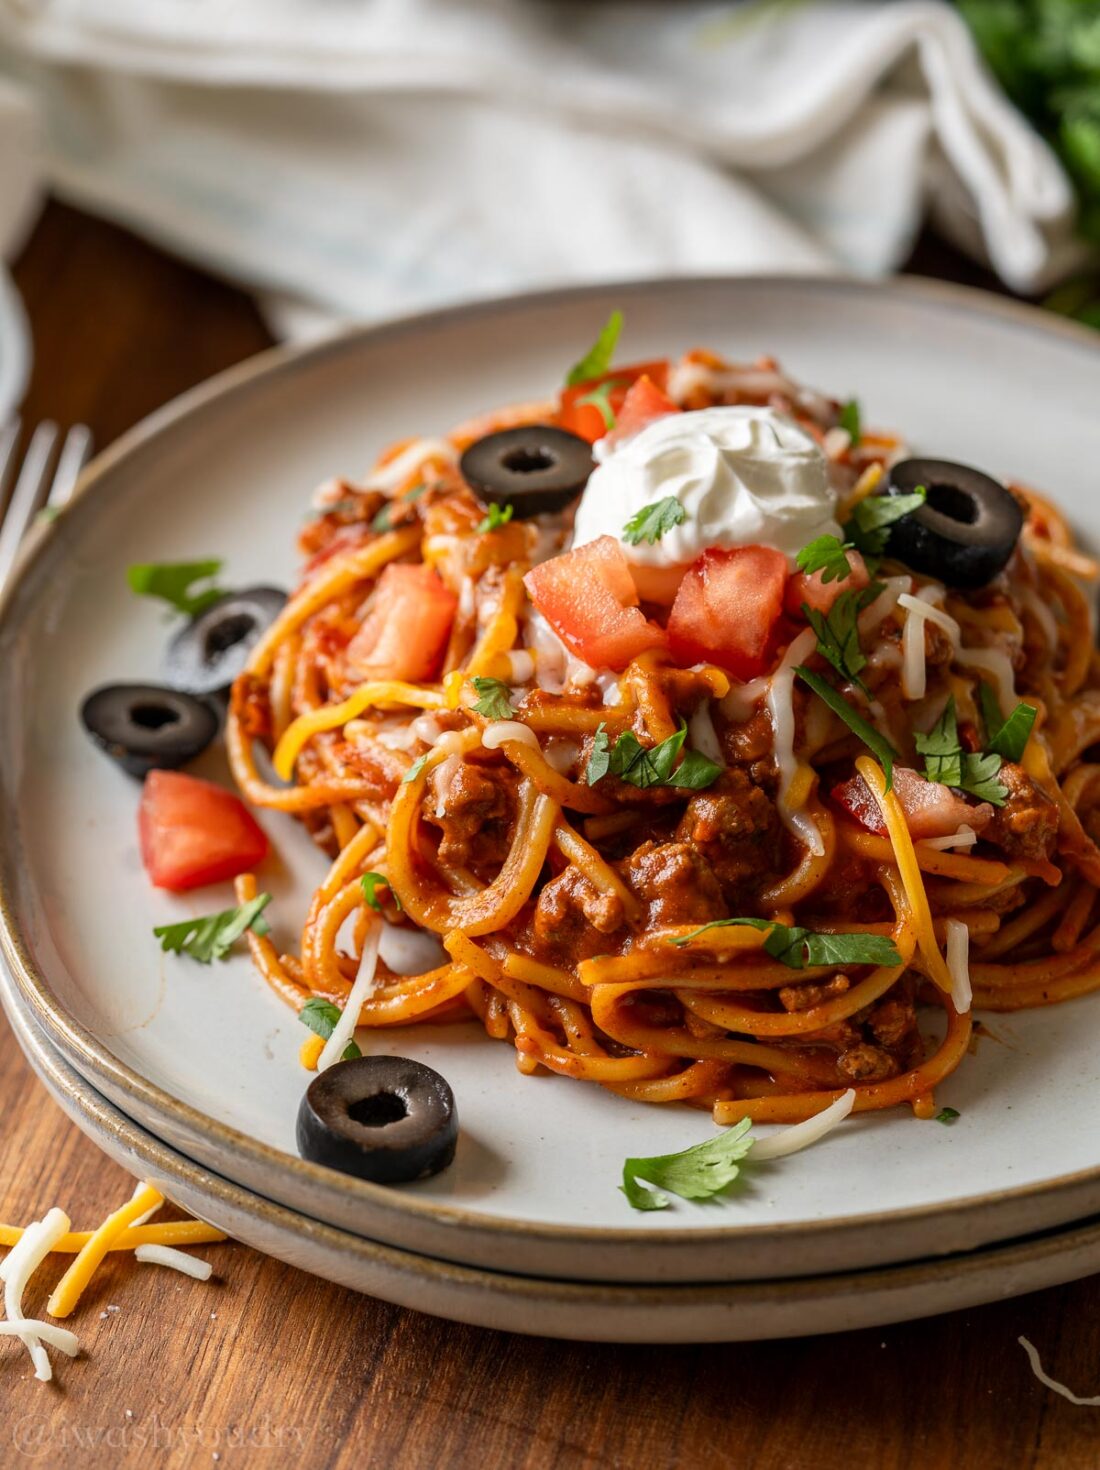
(189, 1074)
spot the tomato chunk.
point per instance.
(408, 622)
(821, 595)
(588, 597)
(194, 832)
(728, 608)
(931, 809)
(643, 403)
(586, 419)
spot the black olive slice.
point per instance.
(388, 1119)
(533, 469)
(967, 529)
(208, 654)
(145, 727)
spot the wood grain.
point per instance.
(266, 1366)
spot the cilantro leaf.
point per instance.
(415, 769)
(597, 360)
(838, 635)
(495, 702)
(699, 1172)
(600, 399)
(992, 714)
(947, 1115)
(943, 754)
(212, 936)
(495, 518)
(849, 419)
(877, 744)
(321, 1016)
(979, 778)
(652, 521)
(1010, 740)
(872, 518)
(796, 947)
(370, 883)
(642, 766)
(174, 581)
(383, 520)
(827, 555)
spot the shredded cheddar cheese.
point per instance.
(69, 1289)
(335, 716)
(309, 1051)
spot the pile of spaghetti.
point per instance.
(470, 776)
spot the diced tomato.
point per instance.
(404, 634)
(821, 595)
(194, 832)
(643, 403)
(588, 597)
(586, 419)
(728, 608)
(931, 809)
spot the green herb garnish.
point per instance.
(872, 518)
(415, 769)
(370, 884)
(643, 766)
(796, 947)
(945, 760)
(212, 937)
(838, 631)
(1011, 739)
(699, 1172)
(597, 360)
(827, 555)
(652, 521)
(494, 702)
(383, 521)
(877, 744)
(495, 518)
(321, 1016)
(849, 420)
(947, 1115)
(600, 399)
(174, 582)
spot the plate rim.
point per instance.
(256, 372)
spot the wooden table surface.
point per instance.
(269, 1366)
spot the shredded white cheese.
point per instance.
(16, 1270)
(801, 1135)
(836, 442)
(361, 990)
(780, 704)
(703, 737)
(391, 476)
(521, 666)
(958, 965)
(498, 731)
(998, 665)
(166, 1255)
(1044, 1378)
(919, 610)
(964, 837)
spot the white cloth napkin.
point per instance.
(364, 159)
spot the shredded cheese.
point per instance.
(919, 611)
(958, 964)
(334, 716)
(173, 1232)
(780, 703)
(69, 1289)
(361, 990)
(16, 1271)
(393, 474)
(497, 732)
(309, 1051)
(964, 837)
(801, 1135)
(906, 858)
(703, 737)
(164, 1255)
(1044, 1378)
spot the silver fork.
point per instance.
(45, 481)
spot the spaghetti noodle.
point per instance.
(587, 918)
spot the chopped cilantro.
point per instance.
(946, 761)
(1011, 739)
(415, 769)
(212, 936)
(495, 518)
(652, 521)
(872, 518)
(174, 582)
(838, 631)
(699, 1172)
(796, 947)
(600, 399)
(597, 360)
(849, 419)
(992, 714)
(827, 555)
(643, 766)
(877, 744)
(383, 521)
(494, 701)
(947, 1115)
(321, 1016)
(370, 884)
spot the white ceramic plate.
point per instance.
(730, 1312)
(205, 1058)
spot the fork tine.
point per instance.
(75, 453)
(29, 488)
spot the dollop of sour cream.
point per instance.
(744, 476)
